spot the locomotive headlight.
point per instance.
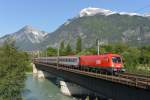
(112, 65)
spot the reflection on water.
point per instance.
(40, 89)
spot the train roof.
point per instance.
(104, 54)
(76, 56)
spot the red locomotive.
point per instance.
(105, 62)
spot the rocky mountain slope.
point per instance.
(26, 38)
(91, 24)
(105, 25)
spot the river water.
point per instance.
(42, 89)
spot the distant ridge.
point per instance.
(91, 24)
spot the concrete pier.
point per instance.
(40, 73)
(35, 70)
(71, 89)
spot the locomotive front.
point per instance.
(117, 64)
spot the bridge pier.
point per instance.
(40, 73)
(71, 89)
(34, 69)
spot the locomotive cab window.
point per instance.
(116, 59)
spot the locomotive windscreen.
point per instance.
(116, 59)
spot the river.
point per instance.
(42, 89)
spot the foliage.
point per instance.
(88, 51)
(68, 49)
(79, 45)
(51, 51)
(12, 71)
(62, 48)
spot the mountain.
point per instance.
(90, 11)
(26, 38)
(90, 24)
(105, 25)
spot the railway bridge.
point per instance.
(121, 87)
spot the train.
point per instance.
(107, 62)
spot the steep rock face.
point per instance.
(26, 38)
(30, 34)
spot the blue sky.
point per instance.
(48, 15)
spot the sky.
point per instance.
(48, 15)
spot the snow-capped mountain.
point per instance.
(93, 11)
(98, 24)
(29, 33)
(26, 37)
(90, 11)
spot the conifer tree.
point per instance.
(68, 49)
(79, 45)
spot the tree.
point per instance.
(51, 51)
(68, 49)
(12, 71)
(131, 58)
(62, 48)
(144, 55)
(79, 45)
